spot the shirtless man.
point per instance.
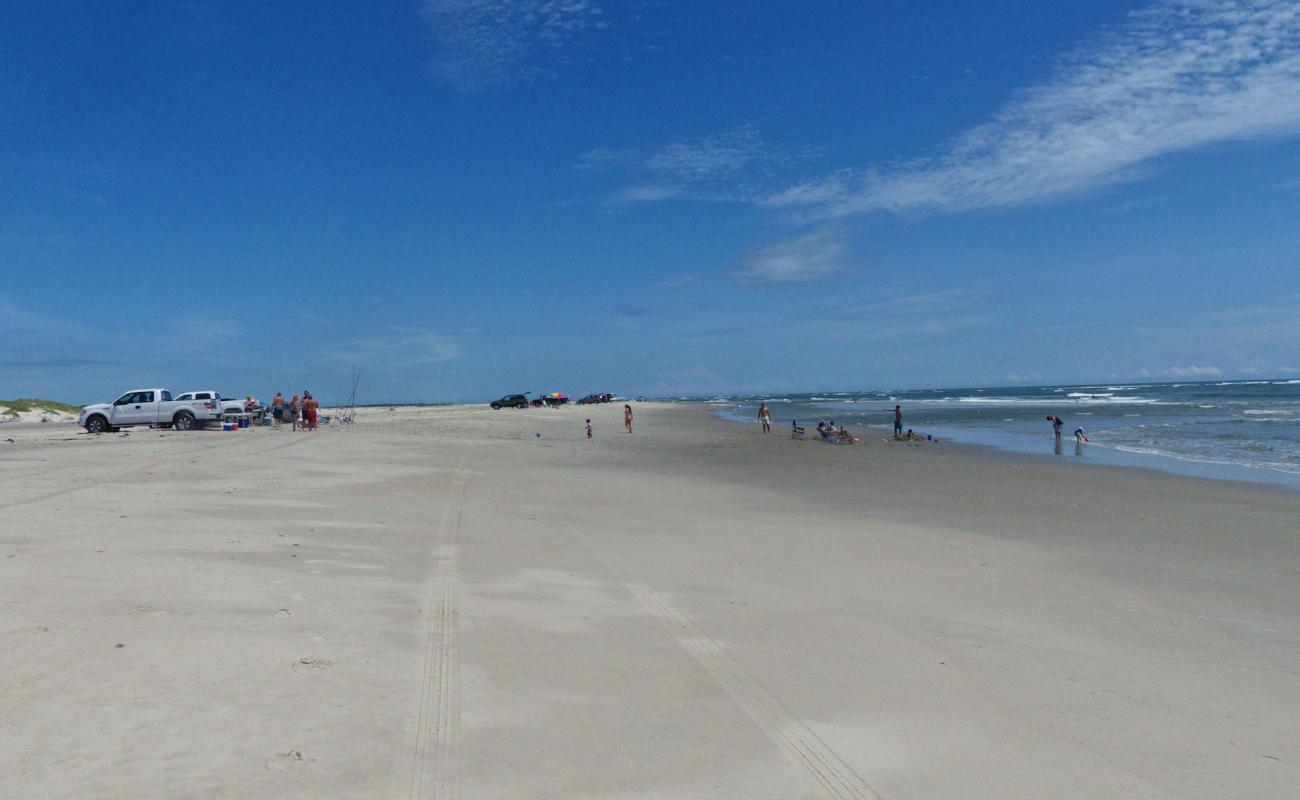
(898, 422)
(765, 417)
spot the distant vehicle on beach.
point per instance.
(597, 398)
(233, 408)
(510, 401)
(151, 407)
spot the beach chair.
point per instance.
(795, 431)
(833, 438)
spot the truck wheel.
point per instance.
(97, 424)
(183, 421)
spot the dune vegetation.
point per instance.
(12, 408)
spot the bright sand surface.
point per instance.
(439, 603)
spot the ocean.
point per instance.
(1244, 430)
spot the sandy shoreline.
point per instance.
(440, 602)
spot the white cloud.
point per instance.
(724, 166)
(812, 256)
(15, 317)
(1175, 77)
(483, 44)
(647, 193)
(1193, 372)
(1031, 377)
(709, 158)
(401, 346)
(1273, 321)
(696, 380)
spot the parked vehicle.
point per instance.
(151, 407)
(510, 401)
(232, 408)
(596, 398)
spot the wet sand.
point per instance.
(440, 603)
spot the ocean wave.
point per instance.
(1228, 462)
(1073, 399)
(1271, 412)
(1292, 382)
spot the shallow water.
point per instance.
(1245, 430)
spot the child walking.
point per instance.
(588, 429)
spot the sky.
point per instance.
(466, 198)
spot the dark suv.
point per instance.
(511, 401)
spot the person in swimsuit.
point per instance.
(898, 422)
(588, 429)
(277, 408)
(627, 417)
(309, 406)
(765, 417)
(294, 407)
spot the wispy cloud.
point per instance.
(1175, 77)
(679, 280)
(14, 317)
(736, 165)
(647, 193)
(54, 363)
(809, 257)
(485, 44)
(1274, 321)
(1193, 372)
(400, 345)
(696, 380)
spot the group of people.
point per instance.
(1058, 424)
(302, 412)
(627, 420)
(830, 433)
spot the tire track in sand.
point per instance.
(90, 483)
(833, 777)
(437, 736)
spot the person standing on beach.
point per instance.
(765, 417)
(589, 429)
(309, 406)
(898, 422)
(1056, 425)
(277, 409)
(627, 417)
(294, 406)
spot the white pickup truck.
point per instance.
(152, 407)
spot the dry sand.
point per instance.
(439, 603)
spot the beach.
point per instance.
(460, 602)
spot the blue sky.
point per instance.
(471, 197)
